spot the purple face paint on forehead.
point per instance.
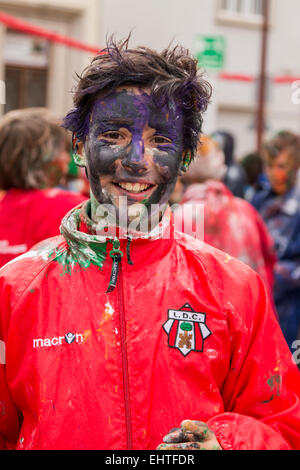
(136, 110)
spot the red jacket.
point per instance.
(232, 225)
(188, 333)
(29, 216)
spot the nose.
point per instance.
(134, 161)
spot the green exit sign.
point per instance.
(210, 52)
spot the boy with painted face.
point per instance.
(279, 206)
(134, 149)
(119, 331)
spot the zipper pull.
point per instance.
(129, 240)
(116, 255)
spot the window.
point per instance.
(25, 87)
(240, 11)
(26, 71)
(243, 7)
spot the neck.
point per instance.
(100, 218)
(94, 206)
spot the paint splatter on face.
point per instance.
(134, 148)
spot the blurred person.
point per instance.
(279, 206)
(230, 223)
(34, 161)
(235, 177)
(257, 180)
(117, 332)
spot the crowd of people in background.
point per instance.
(252, 212)
(251, 205)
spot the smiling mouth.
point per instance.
(135, 188)
(135, 192)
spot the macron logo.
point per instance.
(58, 340)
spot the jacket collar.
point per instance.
(89, 246)
(109, 233)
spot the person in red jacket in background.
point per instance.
(122, 329)
(34, 160)
(230, 223)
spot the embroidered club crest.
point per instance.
(186, 330)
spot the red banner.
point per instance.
(27, 28)
(236, 77)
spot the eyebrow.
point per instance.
(161, 124)
(117, 121)
(164, 128)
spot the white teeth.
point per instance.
(135, 187)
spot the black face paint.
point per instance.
(133, 148)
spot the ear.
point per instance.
(78, 152)
(186, 160)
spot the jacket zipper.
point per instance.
(124, 358)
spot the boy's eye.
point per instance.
(112, 136)
(161, 140)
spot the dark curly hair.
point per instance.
(172, 73)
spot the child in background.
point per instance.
(279, 207)
(34, 161)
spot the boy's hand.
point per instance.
(192, 435)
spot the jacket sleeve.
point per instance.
(9, 417)
(262, 389)
(9, 423)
